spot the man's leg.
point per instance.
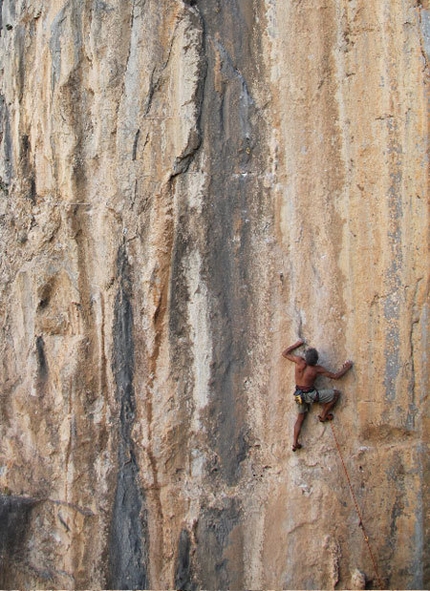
(326, 408)
(297, 428)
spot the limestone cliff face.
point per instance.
(185, 189)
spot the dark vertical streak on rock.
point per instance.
(213, 535)
(27, 168)
(6, 143)
(423, 525)
(396, 477)
(135, 143)
(128, 554)
(184, 575)
(15, 519)
(42, 366)
(226, 120)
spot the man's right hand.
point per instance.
(287, 352)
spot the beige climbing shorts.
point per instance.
(325, 395)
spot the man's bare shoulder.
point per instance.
(300, 362)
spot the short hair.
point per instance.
(311, 356)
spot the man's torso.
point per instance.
(306, 374)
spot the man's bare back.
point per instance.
(306, 372)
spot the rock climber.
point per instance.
(306, 372)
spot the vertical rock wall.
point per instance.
(186, 188)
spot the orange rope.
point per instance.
(361, 524)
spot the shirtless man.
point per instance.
(306, 372)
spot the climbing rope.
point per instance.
(361, 524)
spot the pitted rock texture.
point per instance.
(185, 189)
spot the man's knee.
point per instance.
(336, 395)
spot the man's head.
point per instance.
(311, 356)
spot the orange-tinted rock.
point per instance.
(185, 189)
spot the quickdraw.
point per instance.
(298, 397)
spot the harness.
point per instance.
(300, 390)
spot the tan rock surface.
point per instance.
(186, 188)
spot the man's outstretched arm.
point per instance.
(287, 353)
(335, 376)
